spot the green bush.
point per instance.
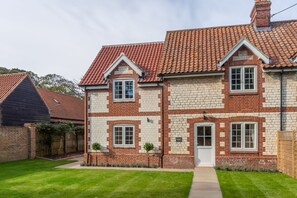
(148, 147)
(96, 146)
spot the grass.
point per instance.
(256, 184)
(39, 178)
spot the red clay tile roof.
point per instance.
(146, 55)
(8, 82)
(62, 106)
(199, 50)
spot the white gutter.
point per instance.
(97, 87)
(150, 84)
(194, 75)
(279, 70)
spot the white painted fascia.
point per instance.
(279, 70)
(250, 46)
(150, 84)
(195, 75)
(121, 58)
(97, 87)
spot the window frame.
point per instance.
(242, 148)
(242, 79)
(123, 80)
(123, 126)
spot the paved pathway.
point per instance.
(205, 184)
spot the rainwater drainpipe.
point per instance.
(281, 100)
(163, 124)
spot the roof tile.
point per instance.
(8, 82)
(62, 106)
(146, 55)
(199, 50)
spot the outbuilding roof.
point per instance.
(8, 82)
(63, 107)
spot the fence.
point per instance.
(17, 143)
(58, 145)
(287, 152)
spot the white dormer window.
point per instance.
(123, 90)
(243, 79)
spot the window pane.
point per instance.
(249, 135)
(118, 135)
(129, 135)
(118, 93)
(129, 92)
(207, 141)
(200, 141)
(236, 135)
(249, 78)
(236, 79)
(207, 131)
(200, 131)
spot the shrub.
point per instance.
(96, 146)
(148, 147)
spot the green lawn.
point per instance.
(39, 178)
(256, 184)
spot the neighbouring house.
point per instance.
(204, 97)
(20, 102)
(63, 108)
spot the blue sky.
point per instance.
(64, 36)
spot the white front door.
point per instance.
(204, 144)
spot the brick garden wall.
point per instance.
(17, 143)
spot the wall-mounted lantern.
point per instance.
(204, 115)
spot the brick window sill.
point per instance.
(243, 93)
(244, 152)
(124, 101)
(123, 147)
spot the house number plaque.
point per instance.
(178, 139)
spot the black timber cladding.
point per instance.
(23, 105)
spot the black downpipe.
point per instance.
(281, 100)
(163, 115)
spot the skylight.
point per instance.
(56, 101)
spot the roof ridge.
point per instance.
(225, 26)
(58, 93)
(14, 74)
(132, 44)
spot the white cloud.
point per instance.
(64, 36)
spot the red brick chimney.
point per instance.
(260, 15)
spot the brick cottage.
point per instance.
(205, 97)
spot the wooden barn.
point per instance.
(20, 101)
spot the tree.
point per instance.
(148, 147)
(96, 146)
(52, 82)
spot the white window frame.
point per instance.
(243, 137)
(123, 136)
(242, 79)
(124, 90)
